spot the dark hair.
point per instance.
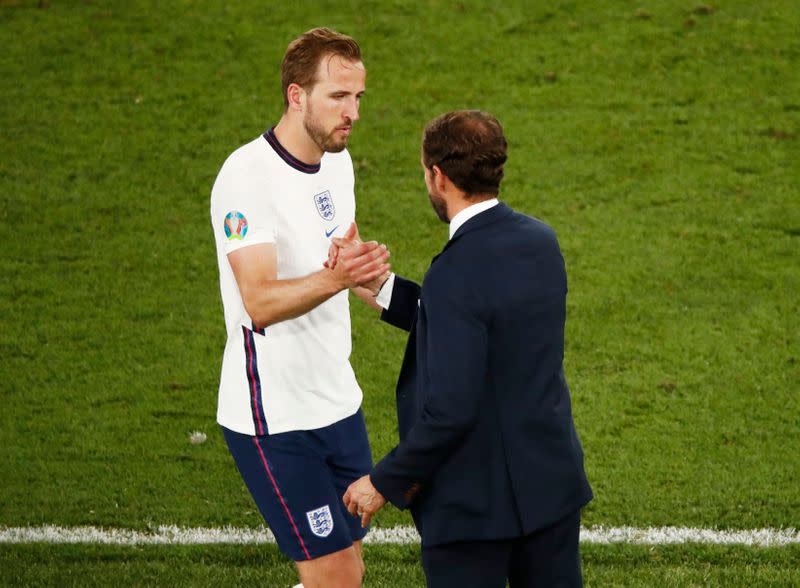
(469, 147)
(303, 55)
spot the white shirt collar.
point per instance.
(469, 212)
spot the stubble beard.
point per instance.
(326, 141)
(439, 207)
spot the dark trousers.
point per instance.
(546, 558)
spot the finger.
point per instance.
(342, 244)
(346, 498)
(351, 231)
(365, 519)
(368, 255)
(360, 270)
(352, 250)
(368, 277)
(331, 261)
(371, 270)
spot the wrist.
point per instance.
(381, 284)
(334, 282)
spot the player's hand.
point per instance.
(352, 244)
(362, 500)
(351, 237)
(360, 263)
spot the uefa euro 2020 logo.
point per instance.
(235, 225)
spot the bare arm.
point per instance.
(269, 300)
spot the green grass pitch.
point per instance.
(660, 139)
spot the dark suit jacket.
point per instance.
(488, 448)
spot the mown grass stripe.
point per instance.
(172, 535)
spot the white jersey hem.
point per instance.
(248, 428)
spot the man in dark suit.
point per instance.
(488, 461)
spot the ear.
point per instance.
(439, 178)
(296, 96)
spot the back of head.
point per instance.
(303, 55)
(469, 147)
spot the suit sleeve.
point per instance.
(456, 346)
(404, 304)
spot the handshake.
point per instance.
(356, 264)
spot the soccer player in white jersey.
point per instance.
(289, 403)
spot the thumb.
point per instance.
(352, 231)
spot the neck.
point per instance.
(293, 136)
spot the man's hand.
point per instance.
(363, 500)
(355, 263)
(361, 264)
(352, 238)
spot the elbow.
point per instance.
(259, 319)
(259, 324)
(457, 423)
(262, 318)
(260, 315)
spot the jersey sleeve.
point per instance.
(241, 209)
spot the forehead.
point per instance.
(336, 71)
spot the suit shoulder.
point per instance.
(533, 224)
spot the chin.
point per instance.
(335, 147)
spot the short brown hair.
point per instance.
(303, 55)
(469, 147)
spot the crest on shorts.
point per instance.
(325, 206)
(320, 521)
(235, 225)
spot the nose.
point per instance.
(351, 111)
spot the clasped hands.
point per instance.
(359, 264)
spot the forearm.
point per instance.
(412, 464)
(366, 295)
(273, 301)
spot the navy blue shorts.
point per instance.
(298, 478)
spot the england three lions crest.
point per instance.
(320, 521)
(325, 206)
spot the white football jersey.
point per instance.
(295, 374)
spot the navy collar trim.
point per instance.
(290, 159)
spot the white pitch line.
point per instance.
(172, 535)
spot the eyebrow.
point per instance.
(346, 92)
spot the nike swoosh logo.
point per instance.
(329, 233)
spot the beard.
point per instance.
(325, 140)
(439, 207)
